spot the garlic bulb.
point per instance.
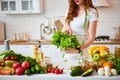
(114, 72)
(101, 71)
(108, 73)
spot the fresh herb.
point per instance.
(116, 63)
(65, 41)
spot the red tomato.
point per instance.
(0, 64)
(19, 71)
(53, 70)
(57, 71)
(7, 58)
(50, 70)
(16, 65)
(61, 71)
(13, 58)
(25, 65)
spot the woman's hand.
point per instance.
(67, 29)
(71, 51)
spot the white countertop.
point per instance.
(51, 76)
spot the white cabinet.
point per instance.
(21, 6)
(9, 6)
(49, 50)
(26, 50)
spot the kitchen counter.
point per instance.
(48, 42)
(50, 76)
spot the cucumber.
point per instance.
(88, 72)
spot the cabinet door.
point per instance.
(31, 6)
(21, 6)
(49, 50)
(9, 6)
(26, 50)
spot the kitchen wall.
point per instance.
(55, 9)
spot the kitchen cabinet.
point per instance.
(21, 6)
(9, 6)
(27, 50)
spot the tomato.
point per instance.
(19, 71)
(7, 58)
(61, 71)
(0, 64)
(25, 65)
(13, 58)
(16, 65)
(57, 71)
(50, 70)
(53, 70)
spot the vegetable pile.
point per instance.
(65, 41)
(13, 63)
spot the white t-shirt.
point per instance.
(77, 24)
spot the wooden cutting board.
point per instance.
(58, 24)
(2, 31)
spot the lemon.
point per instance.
(103, 53)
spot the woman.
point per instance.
(81, 20)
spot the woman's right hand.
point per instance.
(67, 29)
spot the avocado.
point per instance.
(77, 71)
(88, 72)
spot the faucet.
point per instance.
(41, 35)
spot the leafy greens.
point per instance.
(65, 41)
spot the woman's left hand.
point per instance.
(71, 51)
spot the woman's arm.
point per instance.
(67, 29)
(90, 35)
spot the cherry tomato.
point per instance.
(61, 71)
(7, 58)
(13, 58)
(49, 70)
(57, 71)
(0, 64)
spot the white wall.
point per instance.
(109, 18)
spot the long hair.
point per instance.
(73, 8)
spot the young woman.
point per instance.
(81, 20)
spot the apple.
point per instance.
(96, 57)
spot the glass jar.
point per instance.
(117, 51)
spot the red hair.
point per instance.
(73, 8)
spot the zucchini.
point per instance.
(88, 72)
(77, 71)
